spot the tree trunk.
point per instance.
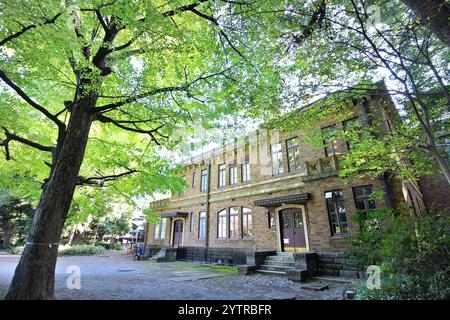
(72, 234)
(434, 13)
(7, 235)
(34, 277)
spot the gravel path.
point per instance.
(116, 276)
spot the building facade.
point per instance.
(277, 191)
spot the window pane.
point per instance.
(298, 220)
(247, 222)
(163, 228)
(361, 205)
(156, 233)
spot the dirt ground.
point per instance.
(116, 276)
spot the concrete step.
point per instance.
(274, 268)
(271, 272)
(280, 258)
(279, 263)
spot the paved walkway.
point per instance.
(116, 276)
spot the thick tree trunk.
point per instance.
(34, 277)
(434, 13)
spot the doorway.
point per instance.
(292, 230)
(178, 232)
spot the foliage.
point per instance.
(110, 246)
(16, 249)
(111, 226)
(81, 250)
(16, 216)
(412, 252)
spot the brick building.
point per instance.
(275, 192)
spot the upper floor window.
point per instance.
(245, 172)
(336, 212)
(233, 175)
(204, 180)
(222, 224)
(363, 201)
(293, 153)
(277, 159)
(331, 140)
(349, 126)
(194, 180)
(222, 175)
(202, 225)
(234, 222)
(247, 224)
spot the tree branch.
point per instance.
(13, 137)
(30, 101)
(100, 181)
(119, 123)
(25, 29)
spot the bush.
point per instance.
(412, 252)
(81, 250)
(110, 246)
(16, 249)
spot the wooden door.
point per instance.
(292, 230)
(178, 232)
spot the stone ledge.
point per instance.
(246, 269)
(297, 275)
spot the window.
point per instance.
(247, 225)
(202, 225)
(194, 180)
(233, 175)
(222, 175)
(336, 212)
(277, 159)
(234, 222)
(331, 141)
(351, 125)
(163, 228)
(156, 234)
(362, 198)
(222, 224)
(191, 222)
(363, 203)
(293, 153)
(181, 194)
(204, 180)
(271, 219)
(245, 172)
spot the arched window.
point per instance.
(234, 222)
(222, 224)
(247, 225)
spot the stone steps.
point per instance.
(271, 272)
(277, 264)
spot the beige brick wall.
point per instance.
(268, 186)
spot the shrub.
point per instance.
(81, 250)
(16, 249)
(110, 246)
(412, 252)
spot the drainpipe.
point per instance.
(382, 178)
(208, 185)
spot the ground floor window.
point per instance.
(160, 229)
(247, 225)
(234, 222)
(336, 212)
(222, 224)
(202, 225)
(163, 228)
